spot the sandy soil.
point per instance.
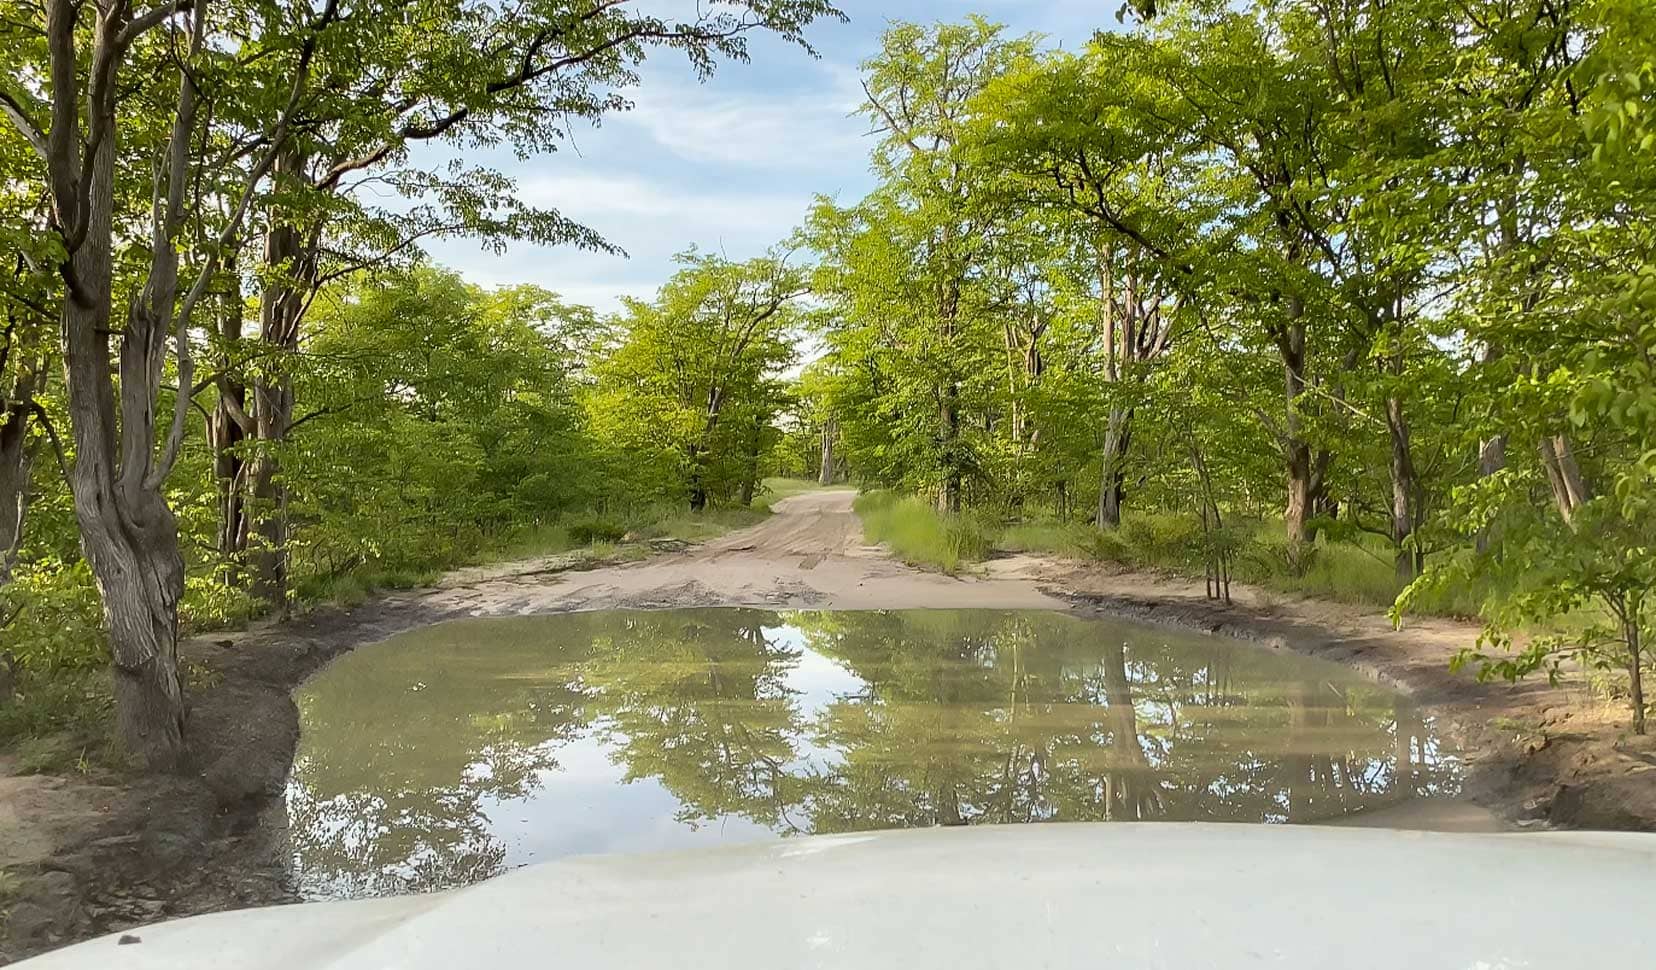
(810, 554)
(85, 859)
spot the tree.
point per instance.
(1585, 337)
(692, 378)
(1086, 134)
(117, 102)
(904, 260)
(74, 126)
(549, 59)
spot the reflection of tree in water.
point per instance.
(700, 703)
(999, 717)
(960, 717)
(403, 750)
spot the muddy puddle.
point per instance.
(446, 755)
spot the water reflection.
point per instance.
(443, 756)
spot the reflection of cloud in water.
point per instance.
(541, 737)
(815, 680)
(584, 808)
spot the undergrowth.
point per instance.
(1359, 571)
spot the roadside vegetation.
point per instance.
(1357, 571)
(1353, 300)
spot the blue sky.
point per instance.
(729, 165)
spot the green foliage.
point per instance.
(59, 719)
(423, 441)
(919, 534)
(1355, 298)
(687, 386)
(586, 530)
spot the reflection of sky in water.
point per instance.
(532, 739)
(583, 807)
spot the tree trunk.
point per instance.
(1296, 514)
(1112, 479)
(1635, 671)
(750, 479)
(127, 531)
(227, 429)
(698, 487)
(1569, 487)
(281, 304)
(825, 474)
(15, 455)
(948, 498)
(1491, 459)
(1302, 492)
(1403, 490)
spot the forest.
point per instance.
(1351, 298)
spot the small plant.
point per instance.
(593, 529)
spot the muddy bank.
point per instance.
(214, 837)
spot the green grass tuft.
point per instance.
(59, 721)
(920, 535)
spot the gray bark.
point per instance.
(1569, 487)
(1297, 451)
(290, 263)
(1403, 510)
(128, 533)
(16, 412)
(825, 475)
(280, 308)
(1112, 484)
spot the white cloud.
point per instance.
(803, 131)
(651, 219)
(641, 214)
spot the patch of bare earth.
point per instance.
(88, 859)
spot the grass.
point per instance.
(1360, 572)
(698, 526)
(60, 722)
(920, 535)
(537, 539)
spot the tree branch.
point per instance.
(138, 25)
(25, 125)
(57, 444)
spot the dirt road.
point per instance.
(810, 554)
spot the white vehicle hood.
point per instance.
(1111, 896)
